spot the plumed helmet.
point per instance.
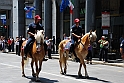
(76, 20)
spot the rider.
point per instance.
(76, 34)
(31, 30)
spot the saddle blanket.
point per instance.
(67, 46)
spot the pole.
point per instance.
(70, 22)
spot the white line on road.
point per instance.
(49, 73)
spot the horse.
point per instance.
(37, 53)
(81, 51)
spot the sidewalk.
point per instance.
(117, 62)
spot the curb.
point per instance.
(56, 56)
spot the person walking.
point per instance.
(89, 55)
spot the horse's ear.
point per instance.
(90, 31)
(95, 31)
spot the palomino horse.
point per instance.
(81, 51)
(37, 55)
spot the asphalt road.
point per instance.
(10, 72)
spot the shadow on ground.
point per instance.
(41, 80)
(89, 78)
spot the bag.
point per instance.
(101, 46)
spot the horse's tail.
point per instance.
(63, 55)
(60, 47)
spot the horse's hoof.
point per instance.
(23, 75)
(34, 75)
(37, 80)
(87, 77)
(80, 75)
(62, 73)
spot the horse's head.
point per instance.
(39, 36)
(89, 38)
(93, 36)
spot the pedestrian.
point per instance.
(58, 40)
(17, 45)
(64, 36)
(9, 44)
(89, 55)
(76, 34)
(104, 45)
(122, 38)
(49, 47)
(53, 44)
(12, 44)
(122, 49)
(20, 44)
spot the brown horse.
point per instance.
(37, 54)
(81, 51)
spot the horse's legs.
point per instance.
(22, 53)
(40, 65)
(32, 63)
(79, 72)
(65, 61)
(60, 62)
(36, 65)
(23, 74)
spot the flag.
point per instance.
(71, 7)
(4, 21)
(63, 5)
(29, 10)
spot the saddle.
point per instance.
(32, 48)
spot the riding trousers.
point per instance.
(26, 48)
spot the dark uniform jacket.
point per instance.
(76, 30)
(33, 27)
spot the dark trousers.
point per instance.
(27, 48)
(49, 53)
(9, 48)
(103, 54)
(89, 55)
(17, 48)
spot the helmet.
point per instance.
(37, 17)
(76, 20)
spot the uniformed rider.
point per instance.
(76, 34)
(31, 30)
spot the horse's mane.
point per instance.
(84, 38)
(39, 36)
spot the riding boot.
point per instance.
(25, 53)
(76, 58)
(73, 51)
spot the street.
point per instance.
(10, 72)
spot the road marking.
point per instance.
(62, 76)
